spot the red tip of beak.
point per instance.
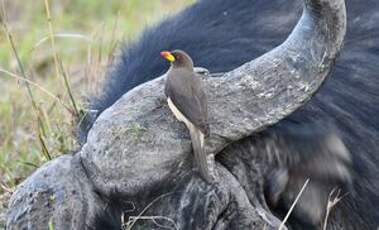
(165, 54)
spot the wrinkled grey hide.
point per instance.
(138, 150)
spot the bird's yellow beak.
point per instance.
(168, 56)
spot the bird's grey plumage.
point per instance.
(188, 101)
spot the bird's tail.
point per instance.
(201, 161)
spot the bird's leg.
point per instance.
(201, 71)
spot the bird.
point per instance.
(188, 102)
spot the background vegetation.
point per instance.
(63, 59)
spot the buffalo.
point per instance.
(272, 135)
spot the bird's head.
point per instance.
(178, 58)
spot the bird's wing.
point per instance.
(203, 101)
(191, 103)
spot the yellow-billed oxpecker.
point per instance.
(187, 100)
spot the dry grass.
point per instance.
(53, 54)
(282, 224)
(334, 198)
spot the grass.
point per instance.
(282, 224)
(48, 67)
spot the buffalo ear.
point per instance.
(275, 186)
(310, 152)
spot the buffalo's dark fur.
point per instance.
(223, 34)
